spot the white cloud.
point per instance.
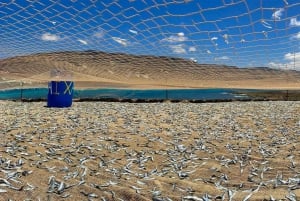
(99, 34)
(225, 36)
(296, 36)
(192, 49)
(213, 40)
(266, 24)
(121, 41)
(179, 37)
(274, 64)
(283, 66)
(294, 22)
(181, 34)
(178, 49)
(293, 62)
(222, 58)
(265, 34)
(277, 14)
(50, 37)
(82, 41)
(193, 60)
(133, 31)
(292, 56)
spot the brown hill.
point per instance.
(100, 69)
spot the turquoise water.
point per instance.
(173, 94)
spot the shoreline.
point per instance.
(250, 84)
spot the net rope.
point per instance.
(242, 33)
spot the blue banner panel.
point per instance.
(60, 93)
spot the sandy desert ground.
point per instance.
(158, 151)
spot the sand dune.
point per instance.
(99, 69)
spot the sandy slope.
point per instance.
(98, 69)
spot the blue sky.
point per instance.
(243, 33)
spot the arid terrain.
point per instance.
(91, 69)
(154, 151)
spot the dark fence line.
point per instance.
(154, 100)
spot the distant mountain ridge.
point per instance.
(124, 70)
